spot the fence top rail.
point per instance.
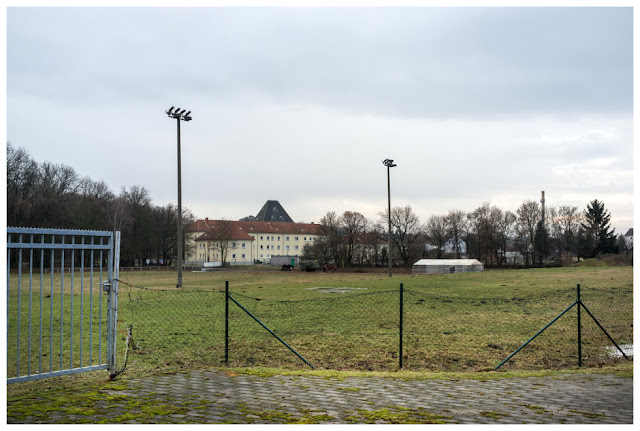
(48, 231)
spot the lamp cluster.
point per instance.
(178, 114)
(388, 163)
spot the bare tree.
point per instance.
(456, 226)
(529, 215)
(505, 230)
(222, 233)
(437, 233)
(407, 235)
(352, 226)
(329, 231)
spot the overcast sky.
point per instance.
(301, 105)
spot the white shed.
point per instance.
(446, 266)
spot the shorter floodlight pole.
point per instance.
(179, 115)
(389, 164)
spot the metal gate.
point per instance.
(57, 320)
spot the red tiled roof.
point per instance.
(242, 229)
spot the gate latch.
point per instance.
(106, 286)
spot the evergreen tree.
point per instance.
(599, 238)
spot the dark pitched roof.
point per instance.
(273, 211)
(629, 232)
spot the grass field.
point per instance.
(339, 321)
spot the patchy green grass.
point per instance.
(70, 405)
(398, 415)
(452, 323)
(493, 415)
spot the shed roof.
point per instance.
(447, 262)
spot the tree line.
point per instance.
(56, 196)
(488, 233)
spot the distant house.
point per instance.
(449, 248)
(271, 233)
(245, 242)
(628, 239)
(446, 266)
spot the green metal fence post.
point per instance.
(226, 322)
(401, 322)
(579, 329)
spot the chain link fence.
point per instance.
(351, 330)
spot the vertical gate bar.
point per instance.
(226, 322)
(61, 300)
(41, 299)
(114, 300)
(19, 300)
(72, 275)
(8, 283)
(30, 304)
(579, 301)
(109, 277)
(81, 297)
(401, 322)
(91, 306)
(100, 308)
(110, 323)
(53, 255)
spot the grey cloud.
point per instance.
(401, 62)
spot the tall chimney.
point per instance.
(543, 212)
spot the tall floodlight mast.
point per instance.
(389, 164)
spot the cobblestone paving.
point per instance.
(222, 398)
(215, 396)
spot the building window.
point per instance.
(296, 238)
(278, 247)
(243, 256)
(233, 245)
(278, 238)
(244, 245)
(261, 247)
(286, 247)
(296, 247)
(287, 238)
(261, 237)
(233, 256)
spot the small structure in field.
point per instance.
(446, 266)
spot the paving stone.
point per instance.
(566, 399)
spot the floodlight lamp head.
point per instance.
(388, 163)
(169, 111)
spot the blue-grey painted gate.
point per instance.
(62, 302)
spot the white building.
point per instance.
(446, 266)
